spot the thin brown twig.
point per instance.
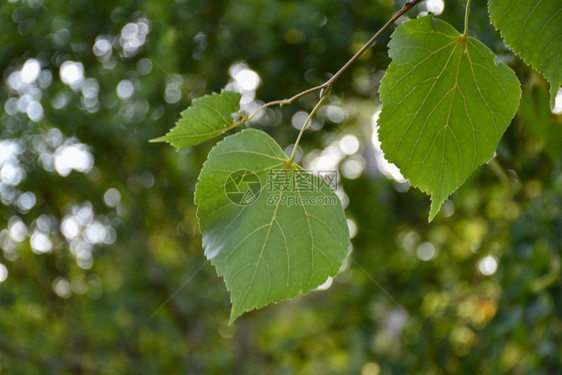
(329, 83)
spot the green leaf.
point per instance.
(533, 29)
(271, 229)
(446, 105)
(206, 118)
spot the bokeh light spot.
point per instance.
(326, 285)
(426, 251)
(353, 166)
(72, 73)
(352, 227)
(73, 157)
(26, 201)
(435, 6)
(389, 170)
(30, 71)
(125, 89)
(3, 273)
(61, 287)
(40, 242)
(17, 229)
(349, 144)
(488, 265)
(247, 79)
(112, 197)
(558, 103)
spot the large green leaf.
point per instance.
(446, 105)
(206, 118)
(271, 229)
(533, 29)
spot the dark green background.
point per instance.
(457, 320)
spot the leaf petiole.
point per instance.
(466, 17)
(325, 95)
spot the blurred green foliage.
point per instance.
(103, 264)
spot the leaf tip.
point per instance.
(235, 313)
(431, 216)
(436, 204)
(232, 319)
(166, 139)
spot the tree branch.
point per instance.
(329, 83)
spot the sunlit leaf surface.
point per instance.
(533, 29)
(206, 118)
(271, 229)
(446, 105)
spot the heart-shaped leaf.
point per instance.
(446, 105)
(271, 229)
(206, 118)
(533, 29)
